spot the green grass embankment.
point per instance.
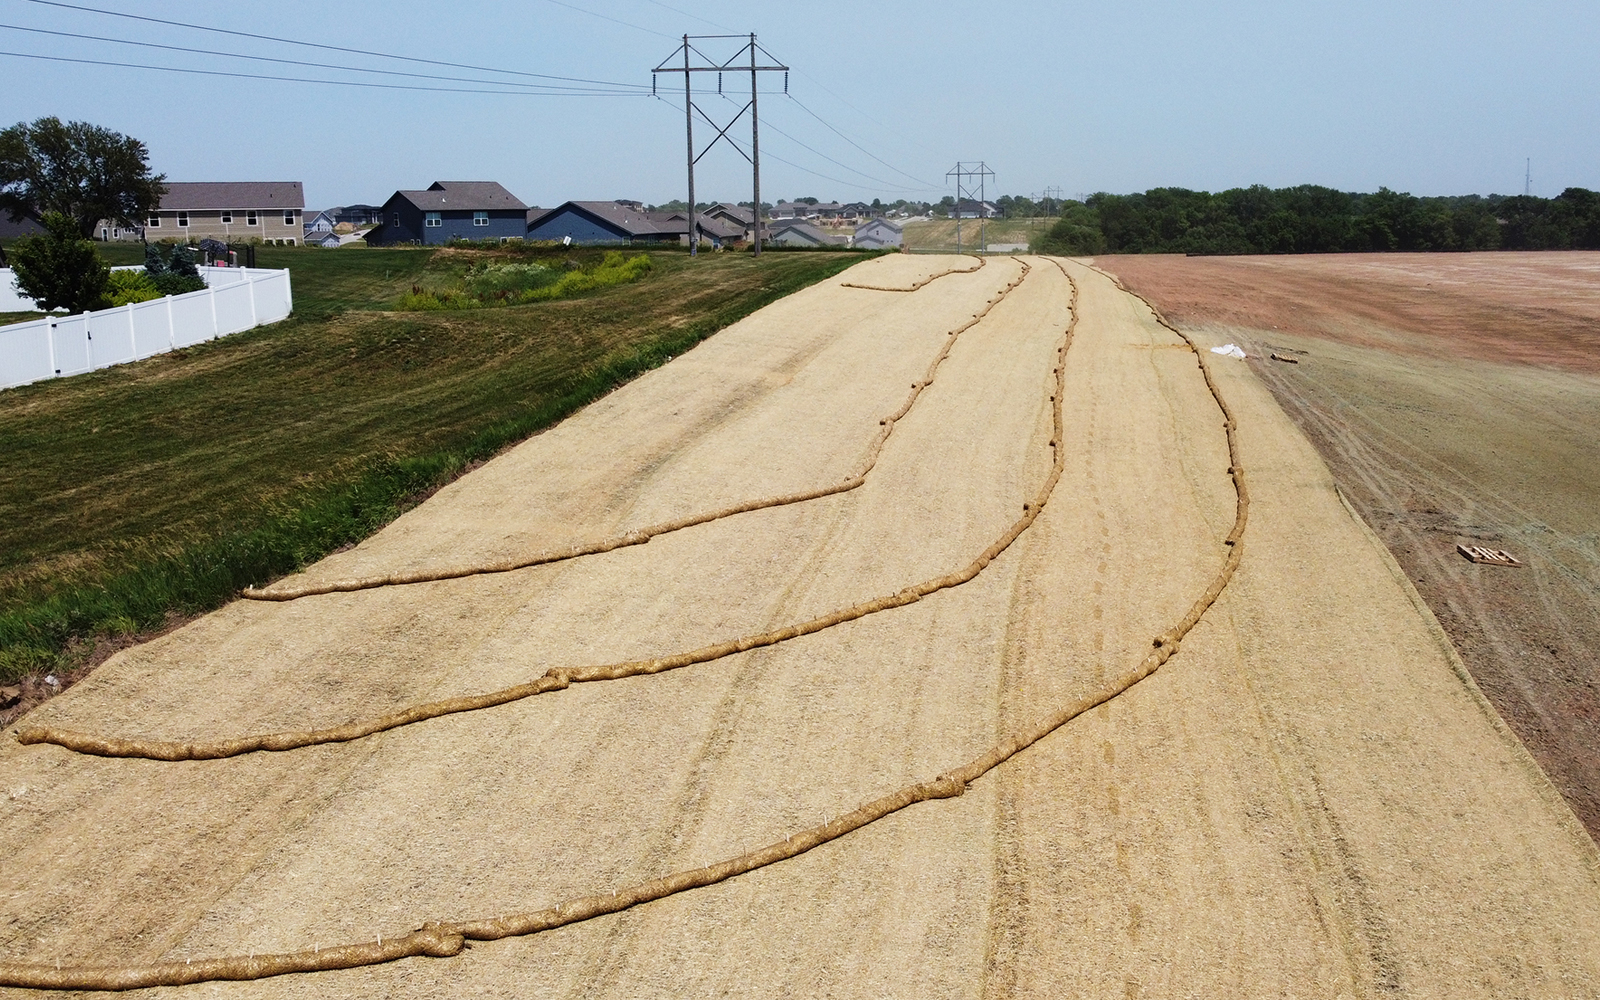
(163, 487)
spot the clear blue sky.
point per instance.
(1431, 98)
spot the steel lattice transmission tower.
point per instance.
(695, 61)
(966, 174)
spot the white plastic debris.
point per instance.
(1230, 350)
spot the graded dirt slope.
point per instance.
(1456, 398)
(1309, 799)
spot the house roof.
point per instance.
(624, 217)
(878, 222)
(805, 229)
(216, 196)
(21, 227)
(739, 212)
(633, 223)
(678, 222)
(470, 196)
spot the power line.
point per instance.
(889, 185)
(301, 79)
(685, 13)
(774, 156)
(852, 142)
(603, 17)
(300, 62)
(332, 48)
(863, 114)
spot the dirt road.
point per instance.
(1310, 799)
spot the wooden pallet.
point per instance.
(1492, 557)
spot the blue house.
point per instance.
(598, 222)
(592, 222)
(451, 210)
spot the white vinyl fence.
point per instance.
(235, 299)
(13, 301)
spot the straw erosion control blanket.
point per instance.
(899, 731)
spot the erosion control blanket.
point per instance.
(1308, 796)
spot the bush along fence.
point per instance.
(12, 300)
(235, 299)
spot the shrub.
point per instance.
(59, 269)
(124, 287)
(172, 283)
(505, 284)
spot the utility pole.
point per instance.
(688, 123)
(1527, 179)
(964, 173)
(706, 64)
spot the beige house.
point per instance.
(232, 211)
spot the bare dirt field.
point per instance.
(1311, 798)
(1457, 399)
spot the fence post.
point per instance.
(251, 288)
(50, 338)
(211, 296)
(172, 327)
(88, 342)
(133, 333)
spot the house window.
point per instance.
(288, 218)
(397, 218)
(227, 218)
(431, 219)
(480, 218)
(154, 222)
(251, 218)
(183, 220)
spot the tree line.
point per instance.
(1312, 219)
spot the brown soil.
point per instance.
(1536, 308)
(1456, 399)
(1309, 799)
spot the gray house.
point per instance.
(322, 222)
(794, 233)
(451, 210)
(877, 235)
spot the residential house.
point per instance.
(597, 222)
(785, 210)
(451, 210)
(21, 227)
(968, 208)
(878, 234)
(323, 238)
(736, 215)
(602, 222)
(357, 215)
(798, 233)
(231, 211)
(322, 222)
(713, 230)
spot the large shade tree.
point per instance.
(79, 170)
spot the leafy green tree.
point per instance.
(79, 170)
(59, 269)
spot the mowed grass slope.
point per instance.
(940, 234)
(163, 486)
